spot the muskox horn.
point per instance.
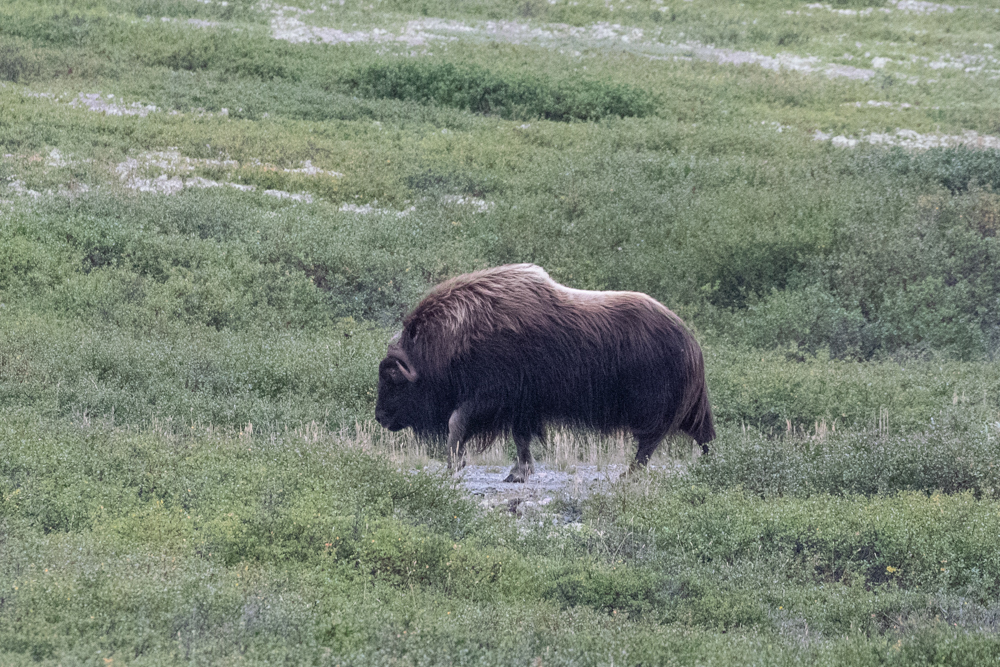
(403, 361)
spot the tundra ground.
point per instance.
(214, 214)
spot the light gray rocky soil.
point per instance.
(485, 482)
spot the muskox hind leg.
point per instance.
(458, 425)
(525, 464)
(647, 445)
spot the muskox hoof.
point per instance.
(518, 475)
(635, 469)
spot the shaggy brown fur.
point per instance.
(507, 350)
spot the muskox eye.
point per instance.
(393, 374)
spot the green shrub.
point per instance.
(807, 320)
(190, 9)
(15, 63)
(57, 25)
(225, 51)
(957, 169)
(219, 495)
(607, 588)
(942, 458)
(402, 555)
(780, 391)
(513, 96)
(913, 539)
(225, 264)
(920, 273)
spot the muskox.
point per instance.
(508, 350)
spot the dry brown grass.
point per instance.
(561, 449)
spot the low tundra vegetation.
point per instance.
(479, 90)
(214, 215)
(116, 541)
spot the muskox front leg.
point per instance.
(525, 464)
(457, 428)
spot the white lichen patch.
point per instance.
(965, 62)
(477, 204)
(373, 209)
(782, 61)
(107, 105)
(303, 197)
(286, 24)
(877, 104)
(56, 159)
(31, 93)
(843, 12)
(196, 23)
(775, 125)
(18, 188)
(920, 7)
(613, 35)
(168, 172)
(177, 173)
(913, 140)
(907, 6)
(307, 169)
(111, 105)
(170, 160)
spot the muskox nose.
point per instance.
(383, 418)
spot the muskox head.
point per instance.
(399, 403)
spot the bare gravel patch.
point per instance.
(548, 484)
(906, 6)
(577, 481)
(913, 140)
(288, 25)
(178, 174)
(107, 105)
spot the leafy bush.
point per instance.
(223, 50)
(52, 24)
(779, 391)
(920, 275)
(611, 589)
(182, 264)
(912, 539)
(15, 64)
(958, 169)
(507, 95)
(807, 319)
(943, 458)
(136, 489)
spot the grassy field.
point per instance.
(214, 214)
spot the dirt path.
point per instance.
(485, 482)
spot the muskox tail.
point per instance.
(695, 415)
(698, 422)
